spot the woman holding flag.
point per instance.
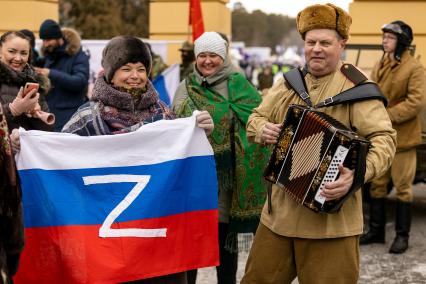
(229, 98)
(124, 99)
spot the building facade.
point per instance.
(26, 14)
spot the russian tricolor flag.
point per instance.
(109, 209)
(167, 83)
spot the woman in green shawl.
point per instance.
(215, 86)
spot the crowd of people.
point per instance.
(242, 123)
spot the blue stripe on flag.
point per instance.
(160, 86)
(167, 83)
(59, 197)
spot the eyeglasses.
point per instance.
(389, 36)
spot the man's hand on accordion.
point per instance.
(270, 133)
(339, 187)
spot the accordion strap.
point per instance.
(360, 92)
(296, 80)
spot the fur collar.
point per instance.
(73, 40)
(10, 77)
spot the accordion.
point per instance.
(310, 148)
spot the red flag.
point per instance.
(196, 18)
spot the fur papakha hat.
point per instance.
(121, 50)
(326, 16)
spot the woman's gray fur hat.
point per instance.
(122, 50)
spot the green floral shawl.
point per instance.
(239, 163)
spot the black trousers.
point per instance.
(227, 270)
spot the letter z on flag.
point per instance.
(109, 209)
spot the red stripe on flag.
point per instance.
(76, 254)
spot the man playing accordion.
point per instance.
(292, 240)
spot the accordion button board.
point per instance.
(332, 171)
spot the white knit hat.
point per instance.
(210, 42)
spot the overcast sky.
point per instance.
(286, 7)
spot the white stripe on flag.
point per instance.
(171, 78)
(69, 151)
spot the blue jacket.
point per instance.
(69, 76)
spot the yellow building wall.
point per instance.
(369, 16)
(168, 20)
(26, 14)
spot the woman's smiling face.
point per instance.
(208, 63)
(15, 52)
(130, 75)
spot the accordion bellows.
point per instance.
(310, 148)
